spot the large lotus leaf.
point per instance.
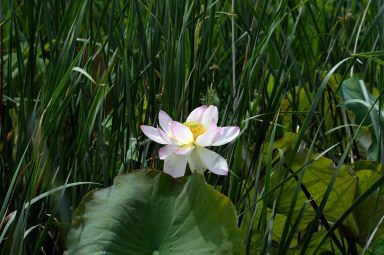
(149, 212)
(278, 226)
(369, 213)
(352, 181)
(317, 176)
(296, 244)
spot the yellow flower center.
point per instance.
(196, 128)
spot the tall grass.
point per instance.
(80, 76)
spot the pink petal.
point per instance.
(197, 114)
(211, 115)
(213, 124)
(195, 163)
(227, 135)
(152, 134)
(164, 121)
(165, 151)
(174, 165)
(165, 136)
(213, 161)
(209, 138)
(181, 151)
(181, 133)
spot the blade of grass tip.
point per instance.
(29, 230)
(87, 75)
(7, 225)
(331, 183)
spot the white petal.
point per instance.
(197, 114)
(164, 151)
(227, 135)
(174, 165)
(164, 121)
(210, 115)
(181, 133)
(213, 161)
(213, 124)
(165, 136)
(153, 134)
(195, 163)
(179, 150)
(209, 138)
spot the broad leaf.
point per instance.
(149, 212)
(352, 90)
(359, 100)
(352, 181)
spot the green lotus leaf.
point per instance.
(149, 212)
(351, 182)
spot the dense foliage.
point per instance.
(302, 79)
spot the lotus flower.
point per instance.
(186, 142)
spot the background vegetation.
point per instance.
(78, 77)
